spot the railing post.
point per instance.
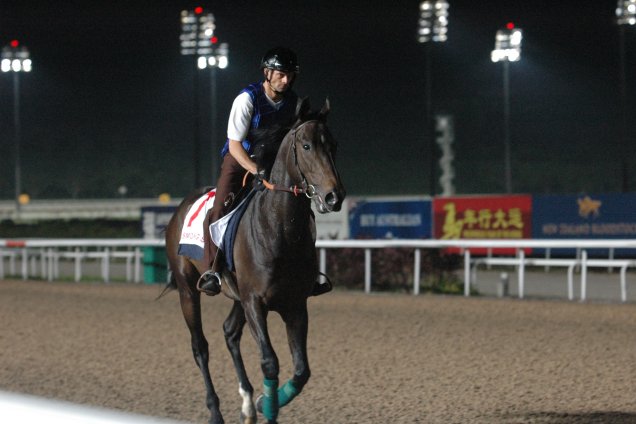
(521, 271)
(367, 270)
(51, 264)
(129, 266)
(25, 264)
(323, 261)
(416, 271)
(44, 257)
(106, 265)
(466, 272)
(12, 263)
(583, 275)
(137, 265)
(624, 283)
(78, 265)
(571, 282)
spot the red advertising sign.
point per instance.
(493, 217)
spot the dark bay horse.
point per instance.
(276, 264)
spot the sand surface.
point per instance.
(376, 358)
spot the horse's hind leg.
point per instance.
(191, 306)
(233, 329)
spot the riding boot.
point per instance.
(321, 288)
(210, 282)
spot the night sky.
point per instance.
(110, 101)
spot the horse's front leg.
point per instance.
(190, 299)
(296, 323)
(256, 314)
(233, 330)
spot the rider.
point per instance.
(260, 105)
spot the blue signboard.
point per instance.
(585, 216)
(373, 219)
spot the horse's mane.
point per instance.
(267, 141)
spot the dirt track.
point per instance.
(375, 358)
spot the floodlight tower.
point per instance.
(432, 28)
(625, 16)
(197, 28)
(218, 58)
(16, 59)
(507, 49)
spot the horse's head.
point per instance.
(315, 150)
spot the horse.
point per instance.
(275, 264)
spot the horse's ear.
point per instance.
(302, 108)
(325, 108)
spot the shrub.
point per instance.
(392, 269)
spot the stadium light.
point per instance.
(626, 12)
(218, 59)
(16, 59)
(625, 16)
(507, 49)
(432, 28)
(198, 40)
(507, 44)
(433, 23)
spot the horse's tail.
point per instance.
(170, 285)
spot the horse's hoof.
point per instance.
(259, 404)
(247, 420)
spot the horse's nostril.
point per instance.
(331, 199)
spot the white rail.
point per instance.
(48, 250)
(27, 409)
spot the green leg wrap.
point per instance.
(286, 393)
(270, 399)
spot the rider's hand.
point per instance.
(260, 174)
(259, 177)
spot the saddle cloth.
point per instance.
(222, 231)
(191, 242)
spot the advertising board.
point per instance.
(390, 218)
(483, 217)
(584, 216)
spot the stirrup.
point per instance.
(209, 283)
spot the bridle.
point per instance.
(305, 187)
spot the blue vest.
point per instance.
(265, 115)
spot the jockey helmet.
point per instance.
(280, 59)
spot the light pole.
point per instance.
(507, 49)
(197, 30)
(16, 59)
(432, 28)
(625, 15)
(218, 59)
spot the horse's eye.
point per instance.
(306, 146)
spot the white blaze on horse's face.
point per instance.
(315, 153)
